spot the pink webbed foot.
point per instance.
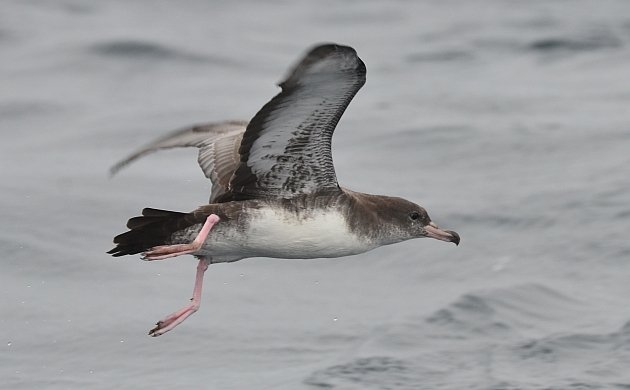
(165, 251)
(176, 318)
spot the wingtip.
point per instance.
(114, 169)
(346, 57)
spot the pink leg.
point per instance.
(179, 316)
(166, 251)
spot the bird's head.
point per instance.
(404, 220)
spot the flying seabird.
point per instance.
(274, 189)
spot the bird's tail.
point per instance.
(155, 227)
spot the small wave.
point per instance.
(441, 56)
(131, 49)
(558, 45)
(21, 109)
(4, 36)
(471, 314)
(502, 220)
(624, 214)
(600, 358)
(500, 311)
(378, 372)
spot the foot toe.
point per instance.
(156, 330)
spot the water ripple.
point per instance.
(441, 56)
(378, 372)
(142, 50)
(578, 44)
(24, 109)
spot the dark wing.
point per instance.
(218, 145)
(285, 150)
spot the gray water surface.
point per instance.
(509, 121)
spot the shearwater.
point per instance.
(274, 188)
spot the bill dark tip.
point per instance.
(455, 236)
(433, 231)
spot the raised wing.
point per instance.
(218, 145)
(285, 150)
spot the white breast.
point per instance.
(282, 234)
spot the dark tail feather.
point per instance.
(153, 228)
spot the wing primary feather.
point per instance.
(286, 149)
(193, 136)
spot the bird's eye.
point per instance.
(414, 215)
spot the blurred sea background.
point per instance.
(509, 121)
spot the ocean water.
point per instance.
(509, 121)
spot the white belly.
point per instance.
(283, 234)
